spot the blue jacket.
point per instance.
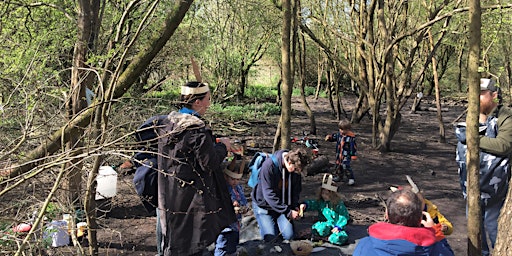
(391, 239)
(346, 146)
(277, 192)
(495, 149)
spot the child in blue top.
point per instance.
(346, 150)
(332, 213)
(228, 239)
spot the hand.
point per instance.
(293, 215)
(235, 203)
(241, 209)
(428, 222)
(328, 137)
(335, 230)
(444, 228)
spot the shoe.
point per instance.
(351, 182)
(336, 178)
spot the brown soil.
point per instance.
(129, 230)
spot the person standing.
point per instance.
(275, 198)
(194, 204)
(495, 149)
(346, 150)
(405, 232)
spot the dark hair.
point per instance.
(404, 208)
(187, 100)
(299, 157)
(344, 124)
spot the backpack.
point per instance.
(255, 167)
(145, 161)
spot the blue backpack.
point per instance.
(255, 166)
(145, 160)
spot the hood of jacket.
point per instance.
(184, 122)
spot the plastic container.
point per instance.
(107, 183)
(57, 232)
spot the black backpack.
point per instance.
(145, 161)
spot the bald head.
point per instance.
(404, 208)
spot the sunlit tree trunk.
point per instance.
(442, 137)
(287, 76)
(76, 101)
(504, 239)
(473, 143)
(301, 68)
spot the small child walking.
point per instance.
(346, 150)
(332, 213)
(228, 239)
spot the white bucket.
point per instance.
(57, 231)
(107, 183)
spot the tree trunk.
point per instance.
(319, 73)
(442, 137)
(302, 80)
(287, 77)
(361, 109)
(76, 102)
(330, 92)
(473, 142)
(459, 70)
(504, 239)
(508, 69)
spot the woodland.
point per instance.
(78, 77)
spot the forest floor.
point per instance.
(128, 230)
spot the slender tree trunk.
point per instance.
(287, 75)
(442, 137)
(508, 69)
(329, 85)
(76, 102)
(302, 75)
(473, 152)
(319, 73)
(361, 109)
(459, 72)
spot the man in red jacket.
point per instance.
(405, 233)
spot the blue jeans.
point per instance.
(226, 243)
(490, 214)
(272, 224)
(346, 169)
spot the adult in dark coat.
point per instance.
(194, 204)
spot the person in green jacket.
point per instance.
(332, 213)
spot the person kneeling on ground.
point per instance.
(405, 233)
(275, 199)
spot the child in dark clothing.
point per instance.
(346, 150)
(229, 237)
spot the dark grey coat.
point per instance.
(193, 200)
